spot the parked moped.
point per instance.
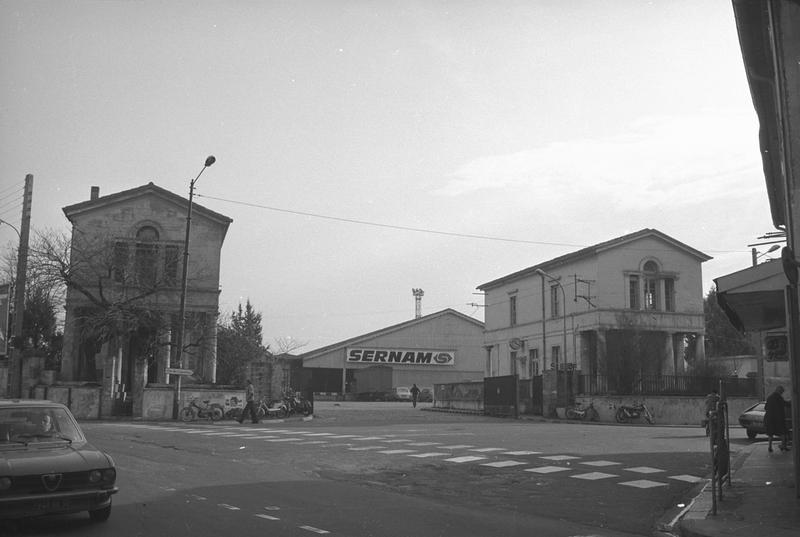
(271, 409)
(579, 412)
(626, 413)
(206, 410)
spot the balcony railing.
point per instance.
(665, 385)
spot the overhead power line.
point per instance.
(416, 229)
(389, 226)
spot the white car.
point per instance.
(402, 393)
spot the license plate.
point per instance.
(53, 505)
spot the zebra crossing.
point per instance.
(542, 464)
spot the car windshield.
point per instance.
(25, 425)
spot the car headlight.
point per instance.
(5, 483)
(95, 476)
(109, 475)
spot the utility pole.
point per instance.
(15, 363)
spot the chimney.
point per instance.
(418, 293)
(95, 193)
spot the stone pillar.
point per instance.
(109, 370)
(163, 356)
(210, 350)
(680, 353)
(139, 364)
(602, 365)
(668, 367)
(70, 346)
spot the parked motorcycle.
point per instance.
(206, 410)
(579, 412)
(626, 413)
(271, 409)
(298, 405)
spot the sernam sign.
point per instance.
(401, 356)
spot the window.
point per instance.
(145, 260)
(556, 354)
(650, 294)
(146, 267)
(119, 264)
(533, 358)
(651, 285)
(512, 303)
(555, 305)
(669, 294)
(171, 255)
(633, 292)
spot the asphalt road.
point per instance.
(385, 470)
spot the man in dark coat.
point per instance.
(775, 418)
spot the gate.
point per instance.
(500, 396)
(537, 396)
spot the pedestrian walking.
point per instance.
(250, 406)
(775, 418)
(414, 395)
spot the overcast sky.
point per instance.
(345, 129)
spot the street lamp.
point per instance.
(12, 227)
(182, 315)
(756, 255)
(555, 279)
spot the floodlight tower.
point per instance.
(418, 294)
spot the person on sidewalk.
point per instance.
(414, 395)
(250, 397)
(775, 418)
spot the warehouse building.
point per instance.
(442, 347)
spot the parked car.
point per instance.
(402, 393)
(752, 420)
(425, 395)
(47, 466)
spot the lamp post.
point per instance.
(182, 315)
(756, 255)
(557, 281)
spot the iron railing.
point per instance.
(665, 385)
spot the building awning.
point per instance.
(753, 298)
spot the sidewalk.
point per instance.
(760, 502)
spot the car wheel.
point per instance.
(751, 434)
(100, 515)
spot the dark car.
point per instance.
(752, 419)
(425, 395)
(47, 466)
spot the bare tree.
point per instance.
(287, 344)
(118, 289)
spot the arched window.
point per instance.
(147, 255)
(650, 285)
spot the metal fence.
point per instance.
(665, 385)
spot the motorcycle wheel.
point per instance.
(216, 413)
(571, 414)
(260, 413)
(282, 412)
(187, 414)
(620, 416)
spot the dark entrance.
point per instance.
(501, 396)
